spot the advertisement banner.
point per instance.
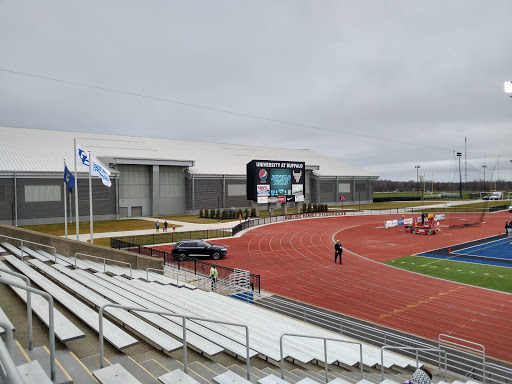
(281, 199)
(263, 190)
(262, 199)
(299, 198)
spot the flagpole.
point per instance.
(65, 203)
(76, 198)
(90, 197)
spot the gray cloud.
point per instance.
(425, 74)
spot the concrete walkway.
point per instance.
(185, 227)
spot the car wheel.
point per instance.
(182, 256)
(429, 232)
(216, 256)
(414, 231)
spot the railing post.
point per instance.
(29, 304)
(50, 319)
(325, 362)
(21, 250)
(184, 344)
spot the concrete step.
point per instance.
(134, 368)
(256, 374)
(74, 367)
(42, 355)
(172, 364)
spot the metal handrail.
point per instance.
(104, 261)
(50, 318)
(411, 349)
(325, 351)
(167, 313)
(31, 242)
(480, 350)
(29, 304)
(12, 374)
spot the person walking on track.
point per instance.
(338, 251)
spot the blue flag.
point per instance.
(69, 179)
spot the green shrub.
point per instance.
(304, 207)
(224, 215)
(309, 207)
(212, 214)
(201, 213)
(253, 212)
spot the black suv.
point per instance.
(198, 248)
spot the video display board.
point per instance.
(270, 181)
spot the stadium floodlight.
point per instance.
(417, 186)
(508, 87)
(459, 154)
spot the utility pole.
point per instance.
(417, 183)
(460, 176)
(484, 166)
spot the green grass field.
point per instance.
(485, 276)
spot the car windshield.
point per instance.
(203, 244)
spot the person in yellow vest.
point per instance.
(214, 274)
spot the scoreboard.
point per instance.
(271, 181)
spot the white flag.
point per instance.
(82, 156)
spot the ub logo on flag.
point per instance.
(83, 157)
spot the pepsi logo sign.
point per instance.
(263, 174)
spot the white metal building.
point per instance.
(150, 176)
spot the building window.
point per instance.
(344, 188)
(39, 193)
(237, 190)
(2, 193)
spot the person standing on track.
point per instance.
(214, 274)
(338, 251)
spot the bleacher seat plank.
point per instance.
(159, 338)
(33, 373)
(230, 377)
(170, 324)
(388, 381)
(194, 304)
(115, 374)
(32, 253)
(212, 331)
(116, 336)
(135, 299)
(345, 353)
(340, 381)
(272, 379)
(60, 258)
(65, 330)
(13, 249)
(307, 380)
(5, 319)
(177, 376)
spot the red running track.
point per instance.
(296, 259)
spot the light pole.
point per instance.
(417, 185)
(459, 154)
(484, 166)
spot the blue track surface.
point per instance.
(490, 253)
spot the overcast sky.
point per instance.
(381, 85)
